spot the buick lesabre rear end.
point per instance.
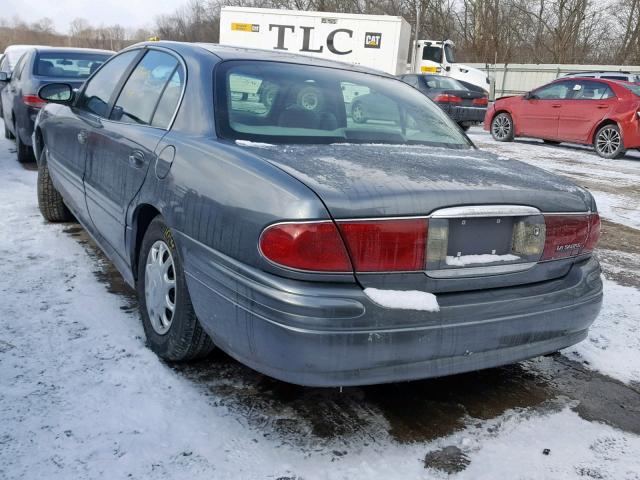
(326, 251)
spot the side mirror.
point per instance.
(529, 96)
(448, 68)
(57, 93)
(4, 77)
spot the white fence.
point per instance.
(516, 78)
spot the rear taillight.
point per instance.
(33, 101)
(570, 235)
(447, 98)
(312, 246)
(394, 245)
(481, 102)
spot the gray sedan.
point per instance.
(234, 189)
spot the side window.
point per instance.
(4, 64)
(100, 88)
(432, 53)
(139, 96)
(555, 91)
(169, 100)
(411, 80)
(17, 71)
(592, 91)
(615, 77)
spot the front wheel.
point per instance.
(50, 201)
(170, 324)
(608, 142)
(502, 128)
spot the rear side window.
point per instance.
(100, 88)
(592, 91)
(142, 91)
(68, 64)
(169, 100)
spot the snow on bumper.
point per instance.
(334, 335)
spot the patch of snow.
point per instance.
(613, 344)
(464, 260)
(249, 143)
(404, 299)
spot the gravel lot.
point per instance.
(82, 397)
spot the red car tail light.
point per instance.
(481, 102)
(570, 235)
(394, 245)
(312, 246)
(447, 98)
(33, 101)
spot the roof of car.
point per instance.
(72, 49)
(600, 72)
(226, 52)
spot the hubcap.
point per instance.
(357, 113)
(160, 287)
(608, 141)
(501, 127)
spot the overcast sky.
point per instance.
(128, 13)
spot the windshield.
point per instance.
(284, 103)
(444, 83)
(448, 51)
(68, 64)
(433, 54)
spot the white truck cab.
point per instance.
(432, 56)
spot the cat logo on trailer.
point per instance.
(372, 40)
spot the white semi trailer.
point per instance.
(381, 42)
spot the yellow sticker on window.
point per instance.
(245, 27)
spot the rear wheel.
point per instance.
(50, 201)
(608, 142)
(502, 128)
(7, 132)
(25, 152)
(172, 329)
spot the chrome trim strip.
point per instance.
(479, 271)
(485, 211)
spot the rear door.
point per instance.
(66, 135)
(590, 102)
(122, 147)
(539, 115)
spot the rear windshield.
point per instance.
(285, 103)
(445, 83)
(634, 88)
(68, 64)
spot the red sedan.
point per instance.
(602, 113)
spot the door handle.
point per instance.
(82, 137)
(556, 106)
(136, 159)
(602, 106)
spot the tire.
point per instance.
(25, 152)
(7, 132)
(608, 142)
(551, 142)
(502, 128)
(173, 335)
(357, 113)
(50, 201)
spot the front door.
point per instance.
(539, 115)
(123, 146)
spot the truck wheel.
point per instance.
(502, 128)
(25, 152)
(170, 324)
(50, 201)
(608, 142)
(357, 113)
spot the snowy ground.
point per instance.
(81, 396)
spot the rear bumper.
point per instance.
(466, 114)
(333, 335)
